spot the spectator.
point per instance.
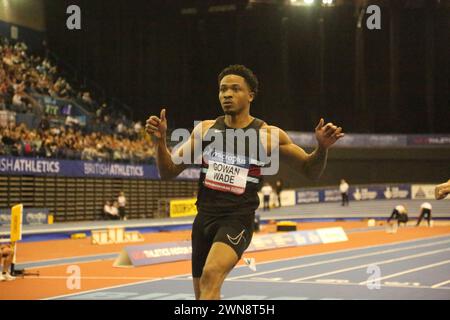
(120, 129)
(87, 99)
(122, 201)
(101, 111)
(117, 155)
(72, 122)
(115, 210)
(266, 191)
(19, 105)
(2, 103)
(137, 129)
(256, 221)
(2, 147)
(278, 189)
(102, 153)
(44, 125)
(9, 142)
(27, 146)
(343, 188)
(109, 213)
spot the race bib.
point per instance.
(226, 177)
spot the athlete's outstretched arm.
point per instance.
(442, 190)
(310, 165)
(157, 127)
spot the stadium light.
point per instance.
(327, 2)
(302, 2)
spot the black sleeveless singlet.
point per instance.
(229, 181)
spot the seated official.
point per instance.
(110, 212)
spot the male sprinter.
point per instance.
(228, 185)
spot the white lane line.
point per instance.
(340, 259)
(93, 278)
(97, 255)
(369, 264)
(338, 284)
(440, 284)
(428, 266)
(68, 264)
(108, 288)
(351, 249)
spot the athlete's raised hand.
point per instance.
(442, 190)
(157, 127)
(328, 134)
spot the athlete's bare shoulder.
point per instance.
(206, 124)
(265, 125)
(201, 128)
(270, 130)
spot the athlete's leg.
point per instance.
(393, 215)
(420, 218)
(196, 287)
(201, 245)
(7, 258)
(221, 260)
(232, 236)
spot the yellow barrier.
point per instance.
(16, 223)
(16, 230)
(183, 208)
(77, 236)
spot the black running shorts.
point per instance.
(233, 230)
(426, 212)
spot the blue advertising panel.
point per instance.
(159, 253)
(30, 216)
(307, 196)
(355, 193)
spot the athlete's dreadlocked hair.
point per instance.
(244, 72)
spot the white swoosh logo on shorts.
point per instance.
(236, 239)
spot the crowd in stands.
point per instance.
(22, 75)
(71, 144)
(108, 137)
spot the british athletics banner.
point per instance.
(74, 168)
